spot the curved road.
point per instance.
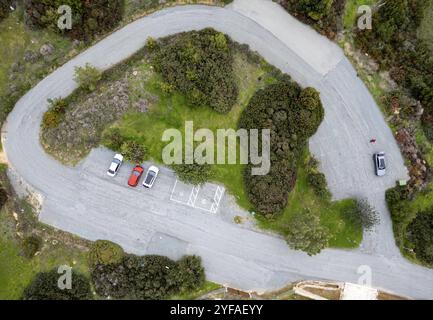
(83, 201)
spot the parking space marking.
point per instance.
(202, 198)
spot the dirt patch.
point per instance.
(87, 116)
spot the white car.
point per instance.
(150, 178)
(380, 164)
(115, 165)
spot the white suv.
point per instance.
(115, 165)
(150, 178)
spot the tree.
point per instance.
(44, 286)
(316, 9)
(420, 233)
(87, 77)
(305, 233)
(362, 214)
(198, 64)
(190, 273)
(311, 113)
(133, 151)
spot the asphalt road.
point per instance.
(84, 201)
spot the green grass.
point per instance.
(343, 233)
(351, 11)
(16, 271)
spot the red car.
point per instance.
(135, 176)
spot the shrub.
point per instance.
(133, 151)
(113, 139)
(362, 215)
(147, 277)
(316, 9)
(199, 64)
(292, 115)
(105, 252)
(305, 233)
(317, 181)
(395, 198)
(324, 15)
(31, 245)
(44, 286)
(89, 18)
(190, 273)
(87, 77)
(420, 233)
(4, 9)
(53, 116)
(3, 197)
(311, 112)
(151, 44)
(195, 174)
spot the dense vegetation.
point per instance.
(89, 18)
(4, 8)
(199, 64)
(45, 287)
(394, 43)
(323, 15)
(420, 233)
(148, 277)
(293, 115)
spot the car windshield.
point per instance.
(136, 173)
(382, 163)
(150, 177)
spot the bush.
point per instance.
(395, 198)
(133, 151)
(420, 233)
(324, 15)
(292, 115)
(4, 9)
(31, 245)
(3, 197)
(195, 174)
(53, 116)
(316, 9)
(45, 287)
(105, 252)
(199, 64)
(190, 273)
(306, 234)
(362, 215)
(113, 139)
(87, 77)
(89, 18)
(147, 277)
(317, 181)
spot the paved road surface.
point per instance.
(83, 201)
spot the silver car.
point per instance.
(380, 164)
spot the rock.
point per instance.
(47, 49)
(30, 56)
(76, 43)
